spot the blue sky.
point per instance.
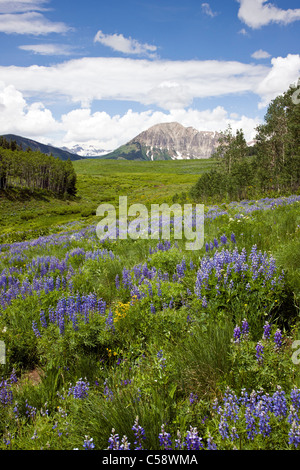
(97, 73)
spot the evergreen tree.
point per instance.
(273, 164)
(36, 170)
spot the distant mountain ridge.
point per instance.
(86, 151)
(168, 141)
(38, 147)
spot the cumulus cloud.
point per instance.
(18, 117)
(284, 72)
(82, 126)
(166, 84)
(170, 85)
(258, 13)
(99, 129)
(260, 54)
(119, 43)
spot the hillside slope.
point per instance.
(25, 143)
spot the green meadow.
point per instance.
(36, 212)
(142, 344)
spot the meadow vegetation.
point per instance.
(142, 344)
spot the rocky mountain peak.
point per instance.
(168, 141)
(179, 141)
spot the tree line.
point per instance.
(35, 170)
(270, 166)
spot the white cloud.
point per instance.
(161, 83)
(167, 84)
(17, 117)
(207, 10)
(24, 17)
(260, 54)
(99, 129)
(81, 126)
(47, 49)
(30, 23)
(258, 13)
(18, 6)
(285, 71)
(119, 43)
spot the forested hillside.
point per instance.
(35, 170)
(273, 165)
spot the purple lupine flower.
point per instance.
(293, 416)
(193, 441)
(114, 441)
(6, 395)
(150, 290)
(245, 328)
(237, 334)
(139, 433)
(233, 434)
(61, 321)
(267, 330)
(193, 398)
(232, 237)
(75, 321)
(165, 439)
(223, 427)
(278, 339)
(152, 308)
(30, 410)
(125, 445)
(43, 319)
(180, 270)
(88, 443)
(178, 442)
(107, 392)
(250, 424)
(295, 398)
(80, 389)
(231, 407)
(159, 293)
(13, 377)
(35, 329)
(294, 434)
(223, 239)
(210, 443)
(259, 352)
(126, 278)
(262, 412)
(279, 403)
(110, 321)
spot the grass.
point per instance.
(157, 350)
(98, 181)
